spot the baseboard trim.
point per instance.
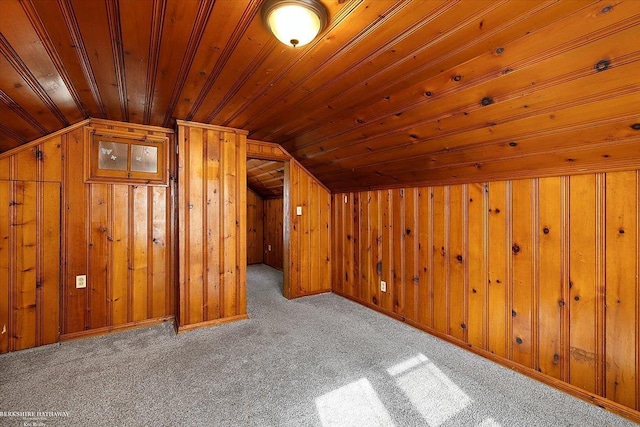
(307, 294)
(594, 399)
(186, 328)
(116, 328)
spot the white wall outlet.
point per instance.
(383, 286)
(298, 210)
(81, 281)
(269, 248)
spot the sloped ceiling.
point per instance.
(392, 93)
(266, 178)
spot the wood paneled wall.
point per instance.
(273, 233)
(306, 262)
(307, 239)
(212, 224)
(29, 264)
(255, 228)
(30, 236)
(120, 236)
(539, 274)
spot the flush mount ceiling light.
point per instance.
(294, 22)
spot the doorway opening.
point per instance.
(266, 190)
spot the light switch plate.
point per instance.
(81, 281)
(298, 210)
(383, 286)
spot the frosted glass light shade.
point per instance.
(294, 23)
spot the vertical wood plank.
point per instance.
(348, 252)
(120, 277)
(159, 240)
(621, 289)
(24, 298)
(229, 218)
(522, 248)
(476, 261)
(398, 275)
(365, 247)
(637, 306)
(74, 304)
(550, 302)
(48, 281)
(601, 271)
(424, 257)
(287, 225)
(582, 281)
(440, 288)
(241, 217)
(456, 262)
(251, 227)
(411, 235)
(196, 239)
(376, 246)
(140, 251)
(315, 250)
(97, 279)
(355, 241)
(6, 211)
(337, 284)
(304, 234)
(260, 230)
(255, 228)
(325, 240)
(345, 238)
(498, 255)
(386, 300)
(212, 269)
(274, 215)
(294, 235)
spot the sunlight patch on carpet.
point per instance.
(431, 392)
(355, 404)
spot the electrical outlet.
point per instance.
(383, 286)
(81, 281)
(269, 248)
(299, 210)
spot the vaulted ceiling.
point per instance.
(391, 93)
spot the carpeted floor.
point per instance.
(316, 361)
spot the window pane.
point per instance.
(112, 156)
(144, 158)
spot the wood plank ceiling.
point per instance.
(392, 93)
(266, 178)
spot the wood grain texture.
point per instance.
(537, 270)
(255, 228)
(273, 233)
(119, 236)
(29, 264)
(6, 250)
(621, 290)
(212, 188)
(391, 94)
(265, 177)
(306, 253)
(309, 233)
